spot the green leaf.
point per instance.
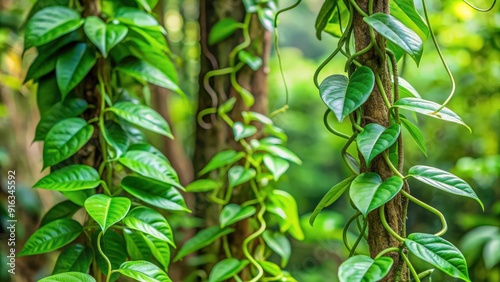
(406, 89)
(238, 175)
(150, 222)
(74, 258)
(227, 106)
(277, 166)
(69, 277)
(160, 195)
(251, 6)
(280, 152)
(343, 96)
(279, 244)
(116, 137)
(202, 185)
(146, 148)
(330, 197)
(112, 244)
(233, 213)
(43, 64)
(47, 95)
(225, 269)
(148, 5)
(266, 17)
(368, 192)
(221, 159)
(363, 268)
(284, 205)
(254, 62)
(106, 210)
(222, 30)
(491, 256)
(241, 131)
(137, 248)
(64, 209)
(104, 36)
(52, 236)
(443, 180)
(404, 10)
(324, 15)
(65, 139)
(70, 178)
(135, 17)
(39, 5)
(159, 248)
(438, 252)
(78, 197)
(151, 166)
(60, 111)
(428, 108)
(270, 268)
(393, 30)
(202, 239)
(415, 134)
(72, 66)
(143, 271)
(251, 116)
(49, 24)
(375, 139)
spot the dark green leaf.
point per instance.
(143, 271)
(106, 210)
(113, 246)
(330, 197)
(59, 111)
(74, 258)
(222, 30)
(137, 248)
(104, 36)
(150, 222)
(491, 255)
(225, 269)
(115, 136)
(375, 139)
(42, 65)
(233, 213)
(364, 268)
(324, 15)
(39, 5)
(47, 95)
(72, 66)
(279, 244)
(368, 192)
(70, 178)
(222, 159)
(69, 277)
(202, 239)
(266, 17)
(415, 134)
(64, 209)
(79, 196)
(252, 61)
(238, 175)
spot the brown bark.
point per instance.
(375, 110)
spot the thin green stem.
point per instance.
(225, 245)
(361, 235)
(386, 225)
(331, 129)
(431, 209)
(357, 54)
(484, 10)
(344, 154)
(410, 266)
(346, 227)
(386, 251)
(104, 256)
(355, 124)
(382, 90)
(391, 166)
(358, 9)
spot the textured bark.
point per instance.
(375, 110)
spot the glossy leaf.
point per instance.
(443, 180)
(70, 178)
(330, 197)
(59, 111)
(65, 139)
(73, 65)
(78, 197)
(222, 30)
(343, 96)
(363, 268)
(158, 194)
(202, 185)
(146, 147)
(393, 30)
(270, 267)
(47, 95)
(428, 108)
(52, 236)
(159, 248)
(69, 277)
(324, 16)
(368, 192)
(39, 5)
(404, 11)
(137, 248)
(254, 62)
(104, 36)
(116, 137)
(74, 258)
(280, 152)
(222, 159)
(279, 244)
(415, 134)
(406, 89)
(438, 252)
(135, 17)
(143, 271)
(284, 205)
(277, 166)
(142, 116)
(42, 65)
(150, 222)
(202, 239)
(113, 246)
(238, 175)
(64, 209)
(233, 213)
(106, 210)
(375, 139)
(225, 269)
(251, 116)
(49, 24)
(241, 131)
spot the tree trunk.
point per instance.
(375, 110)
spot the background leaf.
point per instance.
(65, 209)
(232, 213)
(225, 269)
(238, 175)
(221, 159)
(222, 30)
(76, 258)
(143, 271)
(279, 244)
(202, 239)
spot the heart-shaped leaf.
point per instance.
(150, 222)
(65, 139)
(106, 210)
(241, 131)
(279, 244)
(160, 195)
(222, 30)
(159, 248)
(49, 24)
(438, 252)
(64, 209)
(70, 178)
(116, 137)
(251, 116)
(233, 213)
(393, 30)
(343, 96)
(443, 180)
(72, 66)
(59, 111)
(277, 166)
(137, 248)
(375, 139)
(404, 10)
(279, 151)
(364, 268)
(74, 258)
(330, 197)
(221, 159)
(284, 205)
(428, 108)
(202, 239)
(142, 116)
(225, 269)
(112, 244)
(104, 36)
(202, 185)
(143, 271)
(415, 134)
(52, 236)
(252, 61)
(368, 192)
(68, 276)
(238, 175)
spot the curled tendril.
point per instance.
(484, 10)
(330, 128)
